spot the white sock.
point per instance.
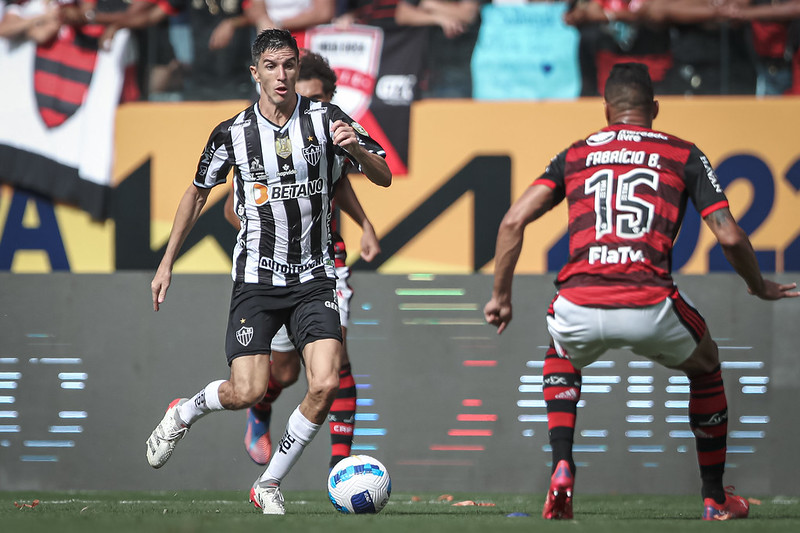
(299, 432)
(202, 403)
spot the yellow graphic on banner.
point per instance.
(463, 174)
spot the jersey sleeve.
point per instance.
(553, 177)
(702, 184)
(217, 158)
(370, 144)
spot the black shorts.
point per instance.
(309, 311)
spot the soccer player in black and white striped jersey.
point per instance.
(286, 152)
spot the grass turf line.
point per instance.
(210, 511)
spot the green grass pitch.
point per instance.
(224, 512)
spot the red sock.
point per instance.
(561, 385)
(708, 418)
(274, 390)
(342, 416)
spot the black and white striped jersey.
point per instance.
(283, 185)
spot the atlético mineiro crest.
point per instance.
(354, 54)
(244, 335)
(312, 153)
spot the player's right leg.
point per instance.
(244, 388)
(252, 322)
(561, 386)
(577, 341)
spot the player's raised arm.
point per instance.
(739, 252)
(372, 165)
(185, 218)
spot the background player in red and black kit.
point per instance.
(626, 188)
(317, 81)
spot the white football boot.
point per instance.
(268, 498)
(165, 437)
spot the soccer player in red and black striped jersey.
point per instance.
(286, 152)
(626, 188)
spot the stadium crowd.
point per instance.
(198, 49)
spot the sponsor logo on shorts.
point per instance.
(332, 305)
(244, 335)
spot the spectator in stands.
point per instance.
(221, 37)
(776, 29)
(711, 54)
(619, 31)
(36, 20)
(150, 20)
(452, 37)
(293, 15)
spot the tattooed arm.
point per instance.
(739, 253)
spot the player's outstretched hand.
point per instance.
(776, 291)
(497, 314)
(159, 287)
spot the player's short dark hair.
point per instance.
(629, 86)
(315, 67)
(273, 39)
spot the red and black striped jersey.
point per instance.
(626, 189)
(283, 178)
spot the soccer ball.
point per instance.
(359, 484)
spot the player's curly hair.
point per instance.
(629, 86)
(273, 39)
(314, 66)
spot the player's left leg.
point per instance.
(577, 341)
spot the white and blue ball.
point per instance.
(359, 484)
